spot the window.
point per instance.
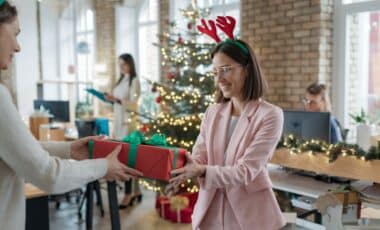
(77, 49)
(148, 31)
(356, 82)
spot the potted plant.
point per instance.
(363, 129)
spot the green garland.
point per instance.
(333, 151)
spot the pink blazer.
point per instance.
(244, 177)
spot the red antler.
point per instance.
(227, 25)
(209, 31)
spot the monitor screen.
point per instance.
(307, 125)
(59, 109)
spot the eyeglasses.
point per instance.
(307, 101)
(223, 70)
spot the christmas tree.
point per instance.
(186, 88)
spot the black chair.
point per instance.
(343, 131)
(88, 128)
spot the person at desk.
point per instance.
(125, 97)
(317, 100)
(238, 136)
(23, 158)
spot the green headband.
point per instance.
(2, 2)
(236, 43)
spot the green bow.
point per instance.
(136, 138)
(2, 2)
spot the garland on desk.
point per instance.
(333, 151)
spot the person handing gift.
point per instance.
(238, 136)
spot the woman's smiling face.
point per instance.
(8, 42)
(229, 76)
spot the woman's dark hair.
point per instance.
(254, 84)
(128, 59)
(316, 88)
(7, 13)
(320, 89)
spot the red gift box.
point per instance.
(183, 216)
(165, 210)
(154, 162)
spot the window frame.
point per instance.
(340, 51)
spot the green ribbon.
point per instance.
(2, 2)
(90, 149)
(136, 138)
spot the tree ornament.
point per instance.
(189, 25)
(180, 40)
(170, 75)
(158, 99)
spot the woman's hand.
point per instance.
(112, 98)
(79, 148)
(191, 169)
(117, 170)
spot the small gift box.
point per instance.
(179, 205)
(164, 210)
(153, 157)
(182, 216)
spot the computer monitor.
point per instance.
(59, 109)
(307, 125)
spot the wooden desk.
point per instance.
(37, 208)
(348, 167)
(48, 133)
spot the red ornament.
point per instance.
(158, 99)
(189, 25)
(180, 40)
(144, 128)
(170, 75)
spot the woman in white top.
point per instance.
(125, 97)
(22, 157)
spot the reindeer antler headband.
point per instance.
(227, 25)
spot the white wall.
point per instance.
(126, 31)
(26, 62)
(49, 49)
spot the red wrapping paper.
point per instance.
(155, 162)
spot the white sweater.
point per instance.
(22, 157)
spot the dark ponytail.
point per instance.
(7, 12)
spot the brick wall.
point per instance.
(293, 40)
(106, 45)
(105, 36)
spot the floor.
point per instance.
(142, 216)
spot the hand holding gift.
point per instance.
(117, 170)
(153, 157)
(191, 170)
(79, 148)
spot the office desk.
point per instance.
(37, 208)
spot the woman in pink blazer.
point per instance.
(238, 136)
